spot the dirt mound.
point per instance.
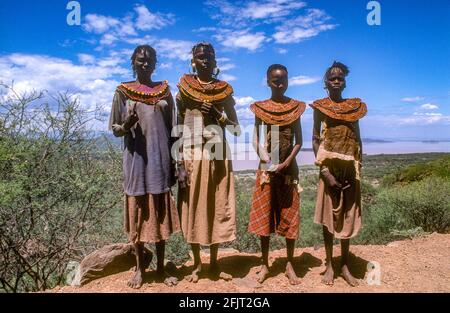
(417, 265)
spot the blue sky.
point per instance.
(400, 68)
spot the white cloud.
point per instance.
(303, 27)
(205, 29)
(245, 17)
(416, 119)
(226, 66)
(93, 82)
(429, 106)
(243, 102)
(113, 30)
(271, 9)
(99, 23)
(413, 99)
(425, 119)
(227, 77)
(241, 39)
(245, 13)
(167, 65)
(244, 114)
(302, 80)
(86, 58)
(169, 48)
(147, 20)
(282, 50)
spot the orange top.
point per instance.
(215, 91)
(349, 110)
(273, 113)
(143, 93)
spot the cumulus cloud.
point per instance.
(413, 99)
(302, 80)
(93, 82)
(147, 20)
(303, 27)
(227, 77)
(169, 48)
(114, 29)
(244, 16)
(241, 39)
(429, 106)
(243, 102)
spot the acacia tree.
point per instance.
(60, 188)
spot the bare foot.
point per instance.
(263, 273)
(328, 276)
(290, 274)
(163, 276)
(345, 273)
(136, 281)
(214, 270)
(194, 277)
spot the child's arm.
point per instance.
(330, 180)
(316, 131)
(118, 126)
(260, 150)
(230, 118)
(358, 135)
(297, 146)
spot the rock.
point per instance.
(108, 260)
(246, 283)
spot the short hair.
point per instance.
(148, 48)
(275, 67)
(339, 65)
(205, 45)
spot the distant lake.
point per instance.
(244, 157)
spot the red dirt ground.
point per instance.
(418, 265)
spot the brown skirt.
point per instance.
(275, 208)
(151, 217)
(340, 212)
(208, 204)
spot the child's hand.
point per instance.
(182, 176)
(130, 120)
(209, 109)
(331, 181)
(281, 166)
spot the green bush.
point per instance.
(417, 172)
(422, 206)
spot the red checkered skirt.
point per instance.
(275, 208)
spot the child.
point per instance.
(276, 199)
(142, 114)
(338, 149)
(206, 196)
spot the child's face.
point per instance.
(204, 61)
(335, 80)
(278, 81)
(144, 63)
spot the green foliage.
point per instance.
(417, 172)
(421, 206)
(60, 193)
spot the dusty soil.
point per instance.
(417, 265)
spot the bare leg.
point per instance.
(290, 273)
(194, 277)
(328, 276)
(160, 270)
(345, 272)
(136, 281)
(214, 265)
(263, 271)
